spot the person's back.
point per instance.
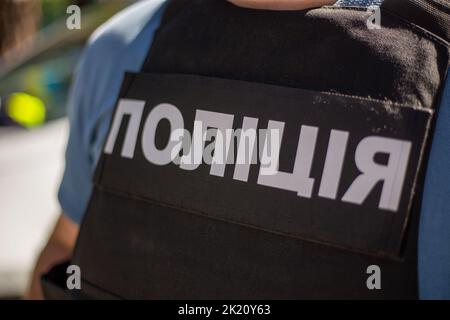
(339, 89)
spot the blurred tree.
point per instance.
(19, 19)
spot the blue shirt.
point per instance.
(122, 45)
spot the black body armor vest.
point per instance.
(355, 107)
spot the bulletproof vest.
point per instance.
(330, 208)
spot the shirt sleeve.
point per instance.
(434, 235)
(76, 183)
(118, 46)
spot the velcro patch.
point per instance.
(328, 168)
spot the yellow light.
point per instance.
(25, 109)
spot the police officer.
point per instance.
(359, 102)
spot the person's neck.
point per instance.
(281, 4)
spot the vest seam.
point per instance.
(385, 102)
(380, 255)
(96, 287)
(419, 30)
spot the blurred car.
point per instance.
(36, 92)
(34, 88)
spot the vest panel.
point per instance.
(156, 230)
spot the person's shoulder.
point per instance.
(117, 46)
(122, 29)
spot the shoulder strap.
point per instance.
(432, 15)
(358, 3)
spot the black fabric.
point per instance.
(318, 50)
(194, 235)
(158, 252)
(264, 206)
(135, 248)
(431, 15)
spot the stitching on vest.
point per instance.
(430, 36)
(424, 32)
(96, 287)
(384, 102)
(124, 194)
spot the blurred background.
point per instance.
(38, 54)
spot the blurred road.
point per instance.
(31, 164)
